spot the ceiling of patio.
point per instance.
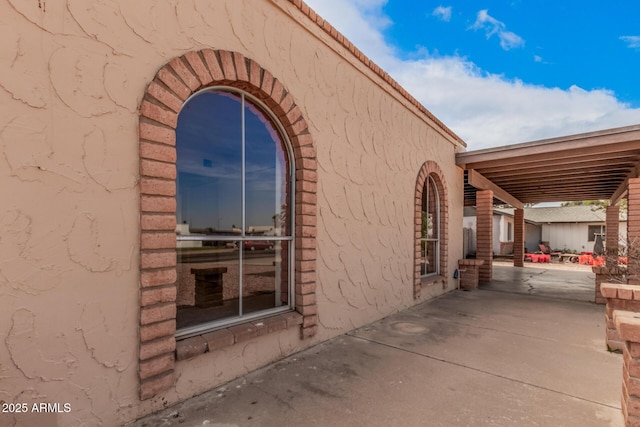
(589, 166)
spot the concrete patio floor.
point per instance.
(565, 281)
(526, 350)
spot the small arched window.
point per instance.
(430, 229)
(234, 212)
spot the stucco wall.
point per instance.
(72, 74)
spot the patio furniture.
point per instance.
(568, 257)
(546, 249)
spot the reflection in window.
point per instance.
(430, 233)
(234, 231)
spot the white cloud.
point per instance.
(444, 13)
(632, 41)
(485, 110)
(489, 110)
(537, 58)
(362, 22)
(508, 39)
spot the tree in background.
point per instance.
(597, 204)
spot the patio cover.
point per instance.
(589, 166)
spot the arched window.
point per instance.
(430, 229)
(431, 225)
(221, 190)
(234, 212)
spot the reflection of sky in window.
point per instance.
(209, 136)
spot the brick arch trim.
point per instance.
(431, 168)
(162, 101)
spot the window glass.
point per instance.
(209, 162)
(266, 174)
(208, 282)
(265, 275)
(233, 212)
(430, 229)
(595, 229)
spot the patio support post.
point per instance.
(518, 238)
(612, 232)
(633, 232)
(484, 230)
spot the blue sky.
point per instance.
(209, 164)
(503, 72)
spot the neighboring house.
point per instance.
(503, 233)
(183, 230)
(564, 228)
(122, 119)
(571, 228)
(262, 230)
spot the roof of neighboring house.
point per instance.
(568, 214)
(471, 211)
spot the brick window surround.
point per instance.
(163, 100)
(430, 168)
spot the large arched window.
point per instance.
(234, 212)
(218, 191)
(430, 230)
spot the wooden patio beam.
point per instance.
(622, 189)
(629, 157)
(589, 168)
(562, 178)
(600, 142)
(480, 182)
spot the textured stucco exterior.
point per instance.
(72, 77)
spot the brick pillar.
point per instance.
(618, 296)
(469, 273)
(484, 233)
(604, 275)
(633, 232)
(613, 230)
(628, 328)
(518, 238)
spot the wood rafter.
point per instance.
(594, 165)
(482, 183)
